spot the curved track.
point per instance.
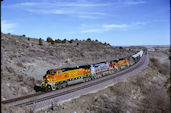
(39, 100)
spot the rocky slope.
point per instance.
(24, 61)
(145, 92)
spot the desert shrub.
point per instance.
(163, 68)
(52, 42)
(104, 104)
(88, 39)
(116, 109)
(77, 44)
(20, 65)
(155, 62)
(76, 39)
(140, 82)
(64, 41)
(120, 47)
(10, 69)
(169, 90)
(105, 43)
(38, 81)
(29, 81)
(40, 41)
(120, 89)
(24, 35)
(19, 78)
(28, 39)
(156, 99)
(96, 40)
(51, 52)
(12, 109)
(49, 39)
(58, 41)
(71, 41)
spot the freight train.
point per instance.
(60, 78)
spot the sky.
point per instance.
(118, 22)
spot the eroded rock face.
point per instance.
(24, 61)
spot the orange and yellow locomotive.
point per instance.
(59, 78)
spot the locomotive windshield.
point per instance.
(59, 73)
(51, 73)
(48, 72)
(121, 59)
(115, 60)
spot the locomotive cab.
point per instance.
(53, 73)
(50, 77)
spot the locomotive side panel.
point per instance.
(77, 73)
(60, 76)
(99, 68)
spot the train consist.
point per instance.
(60, 78)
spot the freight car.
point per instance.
(123, 62)
(100, 69)
(138, 55)
(60, 78)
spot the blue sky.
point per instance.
(118, 22)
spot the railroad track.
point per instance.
(30, 100)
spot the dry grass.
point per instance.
(29, 81)
(12, 109)
(162, 67)
(104, 104)
(10, 69)
(155, 62)
(156, 100)
(20, 65)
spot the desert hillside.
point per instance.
(145, 92)
(25, 61)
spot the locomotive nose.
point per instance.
(45, 76)
(45, 80)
